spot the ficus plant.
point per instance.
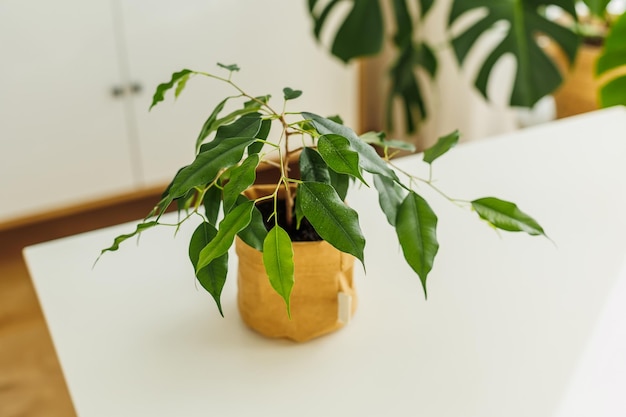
(232, 144)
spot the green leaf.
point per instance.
(235, 221)
(506, 216)
(204, 169)
(290, 94)
(121, 238)
(536, 74)
(248, 125)
(443, 145)
(339, 156)
(390, 196)
(231, 67)
(613, 58)
(241, 178)
(209, 124)
(212, 201)
(250, 107)
(182, 82)
(340, 182)
(597, 7)
(254, 233)
(416, 227)
(278, 261)
(368, 158)
(335, 222)
(361, 32)
(213, 276)
(312, 166)
(159, 94)
(262, 134)
(379, 138)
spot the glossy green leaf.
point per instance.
(299, 213)
(250, 107)
(231, 67)
(339, 156)
(213, 276)
(241, 178)
(416, 227)
(262, 134)
(312, 166)
(207, 165)
(212, 201)
(443, 145)
(340, 182)
(254, 233)
(235, 221)
(379, 138)
(278, 261)
(536, 74)
(506, 216)
(368, 158)
(290, 94)
(209, 124)
(161, 89)
(248, 125)
(390, 196)
(335, 222)
(121, 238)
(613, 58)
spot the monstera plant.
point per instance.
(362, 32)
(611, 64)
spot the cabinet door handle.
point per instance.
(117, 91)
(135, 88)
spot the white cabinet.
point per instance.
(66, 139)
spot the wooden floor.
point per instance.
(31, 382)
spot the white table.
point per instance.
(514, 325)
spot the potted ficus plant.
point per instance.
(301, 218)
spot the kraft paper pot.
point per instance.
(322, 300)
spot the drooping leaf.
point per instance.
(207, 165)
(312, 166)
(335, 222)
(248, 125)
(613, 58)
(278, 261)
(443, 145)
(208, 125)
(340, 182)
(235, 221)
(262, 134)
(241, 178)
(213, 276)
(506, 216)
(290, 94)
(250, 107)
(254, 233)
(390, 196)
(339, 156)
(368, 158)
(182, 82)
(231, 67)
(536, 74)
(121, 238)
(159, 94)
(212, 201)
(416, 227)
(379, 138)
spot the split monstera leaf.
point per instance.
(231, 146)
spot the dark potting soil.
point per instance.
(306, 232)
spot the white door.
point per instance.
(63, 138)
